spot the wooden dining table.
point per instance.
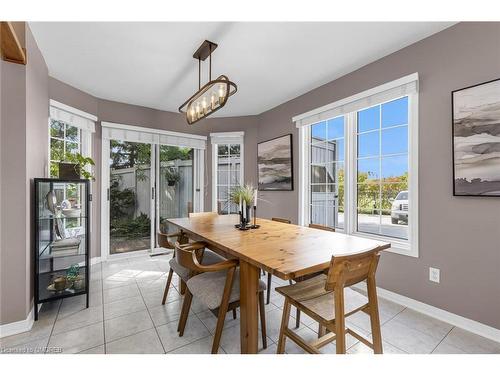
(285, 250)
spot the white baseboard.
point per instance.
(446, 316)
(20, 326)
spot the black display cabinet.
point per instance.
(61, 249)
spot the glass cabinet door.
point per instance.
(61, 234)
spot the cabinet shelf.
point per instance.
(51, 226)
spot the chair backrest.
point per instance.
(202, 214)
(286, 221)
(184, 256)
(322, 227)
(348, 270)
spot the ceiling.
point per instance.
(150, 64)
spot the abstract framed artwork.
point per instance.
(476, 140)
(275, 164)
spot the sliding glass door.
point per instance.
(146, 181)
(130, 196)
(175, 184)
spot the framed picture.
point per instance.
(275, 164)
(476, 140)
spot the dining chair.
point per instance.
(217, 286)
(208, 256)
(329, 300)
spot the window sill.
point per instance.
(400, 247)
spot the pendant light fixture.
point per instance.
(213, 95)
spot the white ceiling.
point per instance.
(151, 64)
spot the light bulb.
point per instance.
(221, 91)
(212, 100)
(204, 104)
(192, 113)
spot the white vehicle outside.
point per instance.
(399, 209)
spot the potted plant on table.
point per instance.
(75, 166)
(244, 197)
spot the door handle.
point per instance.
(152, 193)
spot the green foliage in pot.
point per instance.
(245, 193)
(172, 176)
(82, 162)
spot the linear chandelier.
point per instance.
(213, 95)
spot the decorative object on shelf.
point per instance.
(59, 284)
(68, 210)
(74, 166)
(213, 95)
(66, 246)
(476, 140)
(275, 164)
(51, 201)
(172, 176)
(73, 274)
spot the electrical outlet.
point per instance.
(434, 274)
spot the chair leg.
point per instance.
(234, 313)
(188, 297)
(284, 326)
(262, 310)
(297, 319)
(321, 330)
(374, 316)
(223, 310)
(269, 276)
(339, 321)
(182, 286)
(169, 280)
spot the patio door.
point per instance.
(131, 196)
(174, 184)
(148, 176)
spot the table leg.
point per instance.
(249, 282)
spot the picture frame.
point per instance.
(476, 140)
(275, 164)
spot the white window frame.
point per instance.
(408, 247)
(225, 138)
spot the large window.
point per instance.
(358, 165)
(227, 173)
(382, 169)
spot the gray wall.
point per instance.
(459, 235)
(23, 151)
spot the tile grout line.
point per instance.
(445, 336)
(150, 317)
(53, 325)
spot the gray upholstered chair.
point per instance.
(217, 286)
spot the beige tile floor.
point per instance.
(126, 316)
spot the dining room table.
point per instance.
(286, 251)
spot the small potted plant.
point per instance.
(172, 176)
(243, 196)
(74, 167)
